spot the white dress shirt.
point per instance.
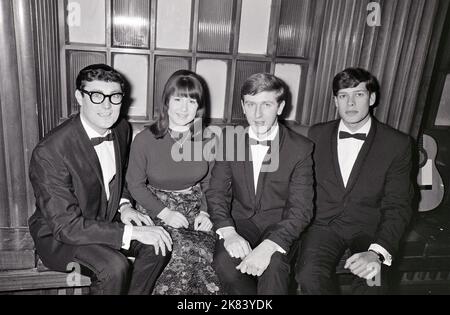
(348, 150)
(259, 151)
(107, 158)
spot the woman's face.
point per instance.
(182, 111)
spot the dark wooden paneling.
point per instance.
(34, 280)
(50, 109)
(15, 239)
(16, 260)
(12, 122)
(4, 200)
(28, 87)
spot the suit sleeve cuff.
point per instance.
(277, 247)
(126, 238)
(223, 230)
(123, 201)
(380, 249)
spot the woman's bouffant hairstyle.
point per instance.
(182, 83)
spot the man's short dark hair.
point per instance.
(99, 72)
(352, 77)
(264, 82)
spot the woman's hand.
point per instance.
(173, 218)
(202, 222)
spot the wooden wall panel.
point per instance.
(19, 132)
(45, 15)
(12, 128)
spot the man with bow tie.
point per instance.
(83, 211)
(260, 204)
(363, 200)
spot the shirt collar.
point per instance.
(90, 131)
(269, 136)
(364, 129)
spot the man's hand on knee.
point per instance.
(128, 215)
(258, 260)
(153, 235)
(236, 245)
(365, 265)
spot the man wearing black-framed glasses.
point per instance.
(99, 97)
(83, 211)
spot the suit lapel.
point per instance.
(334, 144)
(361, 157)
(248, 170)
(87, 149)
(114, 191)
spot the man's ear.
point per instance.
(335, 101)
(79, 97)
(372, 99)
(281, 107)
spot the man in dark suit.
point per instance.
(83, 210)
(363, 172)
(260, 204)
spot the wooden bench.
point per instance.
(33, 281)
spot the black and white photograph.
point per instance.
(224, 152)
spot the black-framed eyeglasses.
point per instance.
(99, 97)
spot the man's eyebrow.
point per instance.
(100, 91)
(353, 91)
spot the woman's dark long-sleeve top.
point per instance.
(161, 164)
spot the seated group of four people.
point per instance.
(220, 211)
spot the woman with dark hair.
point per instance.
(167, 179)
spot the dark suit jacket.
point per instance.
(71, 205)
(377, 199)
(283, 204)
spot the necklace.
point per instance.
(178, 141)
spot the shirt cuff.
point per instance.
(205, 213)
(224, 229)
(123, 200)
(380, 249)
(277, 247)
(126, 238)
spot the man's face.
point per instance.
(102, 116)
(261, 111)
(353, 105)
(182, 111)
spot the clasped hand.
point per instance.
(177, 220)
(365, 265)
(254, 262)
(202, 222)
(257, 261)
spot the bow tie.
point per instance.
(266, 143)
(97, 140)
(346, 135)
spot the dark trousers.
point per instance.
(274, 280)
(111, 272)
(321, 249)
